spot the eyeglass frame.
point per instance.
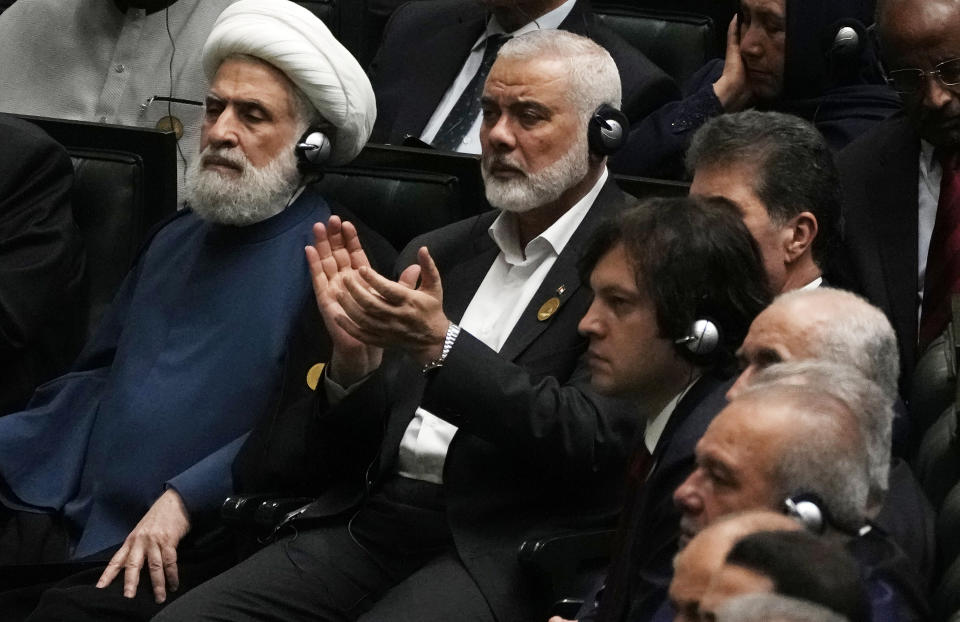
(925, 75)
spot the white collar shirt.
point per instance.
(928, 196)
(471, 142)
(508, 287)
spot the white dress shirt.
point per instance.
(927, 198)
(506, 290)
(471, 142)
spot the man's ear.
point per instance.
(801, 232)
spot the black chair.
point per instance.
(679, 43)
(719, 11)
(647, 187)
(401, 192)
(125, 183)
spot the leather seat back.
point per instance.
(124, 184)
(679, 43)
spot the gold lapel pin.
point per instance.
(313, 376)
(548, 308)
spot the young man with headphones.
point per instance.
(676, 284)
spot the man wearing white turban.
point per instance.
(191, 354)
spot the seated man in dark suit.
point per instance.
(811, 58)
(456, 418)
(120, 458)
(42, 321)
(676, 283)
(804, 434)
(435, 55)
(900, 180)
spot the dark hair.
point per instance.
(807, 567)
(796, 171)
(694, 258)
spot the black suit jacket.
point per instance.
(537, 451)
(425, 44)
(880, 176)
(42, 293)
(642, 568)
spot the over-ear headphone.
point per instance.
(848, 38)
(809, 510)
(702, 338)
(607, 130)
(313, 150)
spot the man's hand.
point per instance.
(336, 253)
(733, 88)
(381, 312)
(153, 541)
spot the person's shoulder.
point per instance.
(452, 241)
(895, 131)
(421, 13)
(16, 130)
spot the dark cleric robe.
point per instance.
(188, 357)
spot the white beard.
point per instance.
(535, 189)
(257, 194)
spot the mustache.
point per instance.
(233, 158)
(502, 161)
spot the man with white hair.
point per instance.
(457, 418)
(805, 431)
(190, 355)
(841, 327)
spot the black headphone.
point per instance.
(313, 150)
(846, 38)
(807, 508)
(702, 339)
(607, 130)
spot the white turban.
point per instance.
(296, 42)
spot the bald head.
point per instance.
(704, 555)
(827, 324)
(920, 34)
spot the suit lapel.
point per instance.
(563, 280)
(897, 237)
(440, 57)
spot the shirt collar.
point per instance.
(927, 160)
(547, 21)
(814, 284)
(656, 426)
(503, 230)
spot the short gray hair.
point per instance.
(593, 75)
(837, 451)
(768, 607)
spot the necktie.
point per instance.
(942, 277)
(465, 111)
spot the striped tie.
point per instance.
(465, 111)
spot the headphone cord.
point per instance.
(173, 51)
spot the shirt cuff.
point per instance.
(337, 392)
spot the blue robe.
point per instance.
(188, 357)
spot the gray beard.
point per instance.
(536, 189)
(256, 195)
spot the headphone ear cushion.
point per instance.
(607, 131)
(313, 149)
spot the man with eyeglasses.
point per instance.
(902, 180)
